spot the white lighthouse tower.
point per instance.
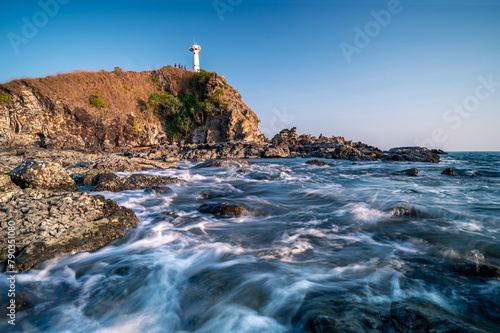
(196, 57)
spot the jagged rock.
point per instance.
(412, 154)
(286, 136)
(222, 164)
(171, 214)
(95, 177)
(449, 172)
(49, 223)
(78, 177)
(134, 182)
(317, 163)
(42, 175)
(409, 172)
(6, 183)
(439, 152)
(276, 152)
(115, 163)
(158, 190)
(404, 318)
(224, 210)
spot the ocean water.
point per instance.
(343, 241)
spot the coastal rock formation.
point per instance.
(449, 172)
(42, 175)
(134, 182)
(49, 223)
(222, 164)
(6, 183)
(223, 210)
(412, 154)
(119, 110)
(409, 172)
(317, 163)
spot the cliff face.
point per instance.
(116, 110)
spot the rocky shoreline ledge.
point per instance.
(39, 187)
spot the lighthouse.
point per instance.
(196, 57)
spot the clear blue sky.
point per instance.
(422, 78)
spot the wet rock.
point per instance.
(449, 172)
(469, 268)
(439, 152)
(222, 164)
(134, 182)
(158, 190)
(171, 214)
(42, 175)
(412, 154)
(6, 183)
(214, 194)
(276, 152)
(95, 177)
(49, 223)
(77, 177)
(405, 318)
(409, 172)
(243, 171)
(225, 209)
(317, 163)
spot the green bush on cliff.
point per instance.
(6, 98)
(96, 101)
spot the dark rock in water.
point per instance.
(469, 268)
(412, 154)
(134, 182)
(409, 172)
(158, 190)
(96, 177)
(224, 209)
(449, 172)
(405, 318)
(78, 177)
(317, 162)
(439, 152)
(214, 194)
(6, 183)
(222, 164)
(406, 211)
(243, 171)
(42, 175)
(53, 223)
(171, 214)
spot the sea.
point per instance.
(343, 241)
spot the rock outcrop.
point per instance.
(50, 223)
(412, 154)
(115, 110)
(222, 210)
(42, 175)
(134, 182)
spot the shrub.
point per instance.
(96, 101)
(6, 98)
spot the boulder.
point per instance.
(134, 182)
(158, 190)
(449, 172)
(409, 172)
(276, 152)
(224, 209)
(116, 163)
(6, 183)
(222, 164)
(439, 152)
(42, 175)
(50, 223)
(412, 154)
(95, 177)
(317, 163)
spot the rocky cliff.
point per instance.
(120, 110)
